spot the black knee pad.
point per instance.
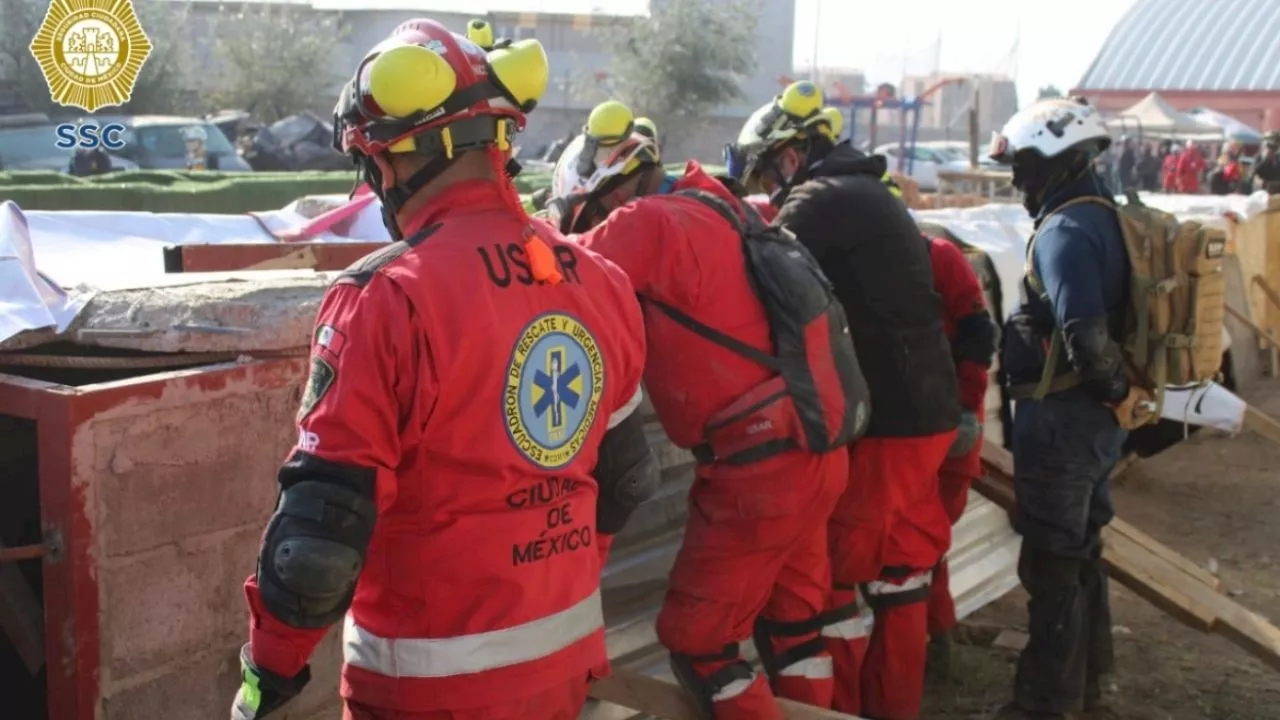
(704, 689)
(766, 630)
(898, 586)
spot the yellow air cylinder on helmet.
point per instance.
(523, 71)
(801, 99)
(646, 127)
(408, 79)
(835, 122)
(610, 123)
(480, 33)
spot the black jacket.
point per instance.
(870, 248)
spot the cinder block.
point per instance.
(201, 688)
(180, 472)
(165, 605)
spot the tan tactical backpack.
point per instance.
(1177, 295)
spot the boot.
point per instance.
(938, 657)
(1011, 711)
(1100, 651)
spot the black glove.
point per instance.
(262, 692)
(1097, 359)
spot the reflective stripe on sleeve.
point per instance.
(466, 654)
(625, 411)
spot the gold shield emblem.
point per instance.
(90, 52)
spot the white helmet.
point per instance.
(609, 147)
(1050, 128)
(194, 132)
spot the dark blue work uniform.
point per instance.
(1066, 444)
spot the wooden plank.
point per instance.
(1261, 423)
(1160, 575)
(263, 256)
(667, 700)
(21, 617)
(999, 464)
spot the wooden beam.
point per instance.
(1261, 423)
(230, 257)
(667, 700)
(1156, 573)
(21, 617)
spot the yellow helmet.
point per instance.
(790, 116)
(611, 147)
(480, 32)
(427, 90)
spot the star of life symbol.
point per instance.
(557, 390)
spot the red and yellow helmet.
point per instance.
(427, 90)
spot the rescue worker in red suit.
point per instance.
(973, 337)
(469, 412)
(1169, 168)
(1190, 169)
(889, 529)
(755, 545)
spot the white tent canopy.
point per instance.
(1231, 127)
(1153, 116)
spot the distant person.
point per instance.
(86, 162)
(1128, 166)
(1266, 173)
(1190, 169)
(1149, 169)
(198, 155)
(1169, 168)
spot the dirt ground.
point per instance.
(1214, 499)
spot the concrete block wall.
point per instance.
(178, 484)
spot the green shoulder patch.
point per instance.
(319, 380)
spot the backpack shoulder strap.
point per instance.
(709, 333)
(722, 208)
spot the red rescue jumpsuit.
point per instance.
(756, 540)
(477, 397)
(1169, 173)
(1190, 169)
(962, 296)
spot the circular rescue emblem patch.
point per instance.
(554, 383)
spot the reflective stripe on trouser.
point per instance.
(847, 634)
(466, 654)
(893, 673)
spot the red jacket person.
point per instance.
(753, 560)
(889, 529)
(973, 344)
(468, 414)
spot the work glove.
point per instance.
(262, 692)
(967, 435)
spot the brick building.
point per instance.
(1224, 55)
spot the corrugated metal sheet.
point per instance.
(1205, 45)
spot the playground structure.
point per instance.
(886, 98)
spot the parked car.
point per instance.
(28, 142)
(922, 164)
(298, 142)
(155, 142)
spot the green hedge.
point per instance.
(191, 192)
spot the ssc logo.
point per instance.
(554, 383)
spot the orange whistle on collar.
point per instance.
(542, 262)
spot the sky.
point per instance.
(884, 37)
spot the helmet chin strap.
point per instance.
(394, 196)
